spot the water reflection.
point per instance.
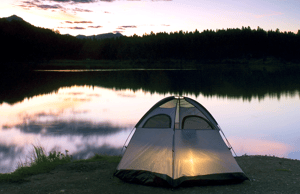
(68, 128)
(83, 120)
(16, 144)
(260, 146)
(223, 84)
(9, 155)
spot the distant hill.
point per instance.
(24, 43)
(100, 36)
(14, 17)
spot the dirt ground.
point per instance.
(267, 175)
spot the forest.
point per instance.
(25, 46)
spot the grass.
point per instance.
(98, 157)
(42, 163)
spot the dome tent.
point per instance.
(178, 141)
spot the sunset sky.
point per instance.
(89, 17)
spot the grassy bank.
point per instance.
(41, 163)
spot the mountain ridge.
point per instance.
(98, 36)
(14, 17)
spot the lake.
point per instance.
(94, 112)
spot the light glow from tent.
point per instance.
(193, 162)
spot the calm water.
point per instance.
(95, 115)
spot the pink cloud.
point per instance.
(81, 10)
(73, 28)
(95, 26)
(83, 22)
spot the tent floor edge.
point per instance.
(144, 177)
(161, 180)
(212, 179)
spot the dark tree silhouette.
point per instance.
(24, 44)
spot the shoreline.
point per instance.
(261, 64)
(267, 174)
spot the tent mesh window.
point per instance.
(158, 121)
(195, 122)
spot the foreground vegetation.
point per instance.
(41, 163)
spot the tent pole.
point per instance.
(173, 144)
(230, 147)
(127, 140)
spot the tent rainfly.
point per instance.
(178, 142)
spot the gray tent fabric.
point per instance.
(178, 142)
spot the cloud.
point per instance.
(77, 28)
(48, 4)
(40, 5)
(122, 27)
(95, 26)
(110, 1)
(75, 1)
(27, 5)
(118, 32)
(78, 22)
(81, 10)
(73, 28)
(83, 22)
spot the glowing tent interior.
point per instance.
(178, 141)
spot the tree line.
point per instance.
(207, 45)
(24, 43)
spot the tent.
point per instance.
(178, 142)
